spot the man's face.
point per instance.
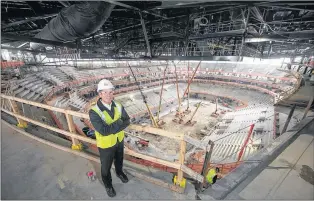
(106, 95)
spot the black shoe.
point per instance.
(123, 177)
(111, 192)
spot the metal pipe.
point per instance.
(245, 142)
(162, 88)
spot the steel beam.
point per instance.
(50, 42)
(219, 34)
(145, 35)
(21, 49)
(246, 21)
(288, 119)
(308, 106)
(28, 20)
(38, 40)
(133, 8)
(288, 8)
(65, 3)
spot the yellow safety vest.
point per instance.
(111, 139)
(210, 175)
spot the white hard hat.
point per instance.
(104, 84)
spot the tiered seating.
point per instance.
(73, 73)
(61, 102)
(233, 129)
(55, 76)
(31, 88)
(76, 101)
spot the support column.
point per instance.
(207, 161)
(269, 49)
(301, 62)
(145, 36)
(16, 110)
(288, 119)
(244, 34)
(308, 107)
(76, 145)
(304, 72)
(181, 161)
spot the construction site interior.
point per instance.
(206, 84)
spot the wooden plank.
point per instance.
(196, 143)
(181, 160)
(48, 107)
(152, 159)
(148, 129)
(71, 127)
(157, 131)
(192, 174)
(156, 181)
(85, 139)
(66, 133)
(96, 159)
(16, 110)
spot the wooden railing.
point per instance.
(76, 138)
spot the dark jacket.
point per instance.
(102, 127)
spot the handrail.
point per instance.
(69, 113)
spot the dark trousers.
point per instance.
(107, 156)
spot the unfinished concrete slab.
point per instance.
(32, 170)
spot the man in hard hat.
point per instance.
(109, 119)
(211, 176)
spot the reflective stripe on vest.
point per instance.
(111, 139)
(210, 175)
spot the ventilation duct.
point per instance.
(76, 21)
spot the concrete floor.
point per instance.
(290, 176)
(32, 170)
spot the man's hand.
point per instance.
(120, 122)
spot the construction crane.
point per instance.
(187, 111)
(160, 97)
(177, 84)
(144, 100)
(190, 81)
(190, 123)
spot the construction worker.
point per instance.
(211, 176)
(109, 119)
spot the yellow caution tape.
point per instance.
(181, 184)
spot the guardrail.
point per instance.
(11, 64)
(179, 166)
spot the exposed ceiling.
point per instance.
(199, 28)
